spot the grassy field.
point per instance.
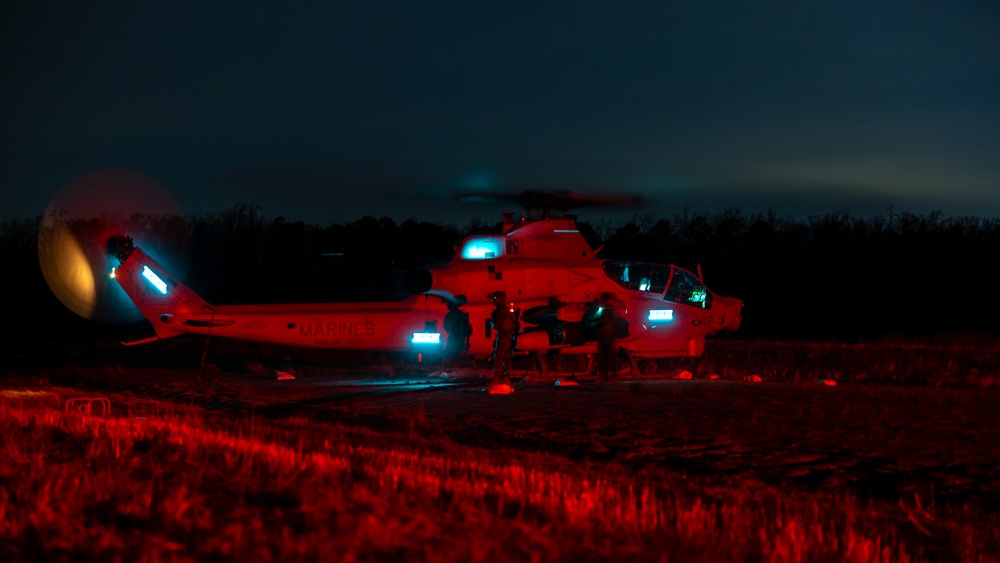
(181, 483)
(956, 361)
(158, 480)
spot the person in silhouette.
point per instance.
(459, 329)
(606, 350)
(502, 320)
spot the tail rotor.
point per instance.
(82, 232)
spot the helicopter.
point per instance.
(551, 276)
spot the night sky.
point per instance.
(325, 112)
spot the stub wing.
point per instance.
(141, 341)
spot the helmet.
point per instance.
(498, 296)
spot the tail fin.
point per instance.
(156, 292)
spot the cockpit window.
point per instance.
(511, 246)
(686, 288)
(638, 276)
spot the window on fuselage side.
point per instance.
(511, 246)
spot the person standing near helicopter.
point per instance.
(607, 352)
(502, 320)
(459, 329)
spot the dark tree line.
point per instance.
(834, 276)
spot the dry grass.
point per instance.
(954, 361)
(179, 483)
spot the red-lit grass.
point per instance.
(957, 361)
(182, 483)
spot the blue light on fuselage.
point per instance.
(154, 279)
(426, 338)
(481, 249)
(661, 315)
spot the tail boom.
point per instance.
(173, 309)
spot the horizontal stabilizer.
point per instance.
(142, 341)
(162, 333)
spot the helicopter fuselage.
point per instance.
(552, 279)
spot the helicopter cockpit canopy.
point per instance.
(672, 283)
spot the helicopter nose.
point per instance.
(732, 312)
